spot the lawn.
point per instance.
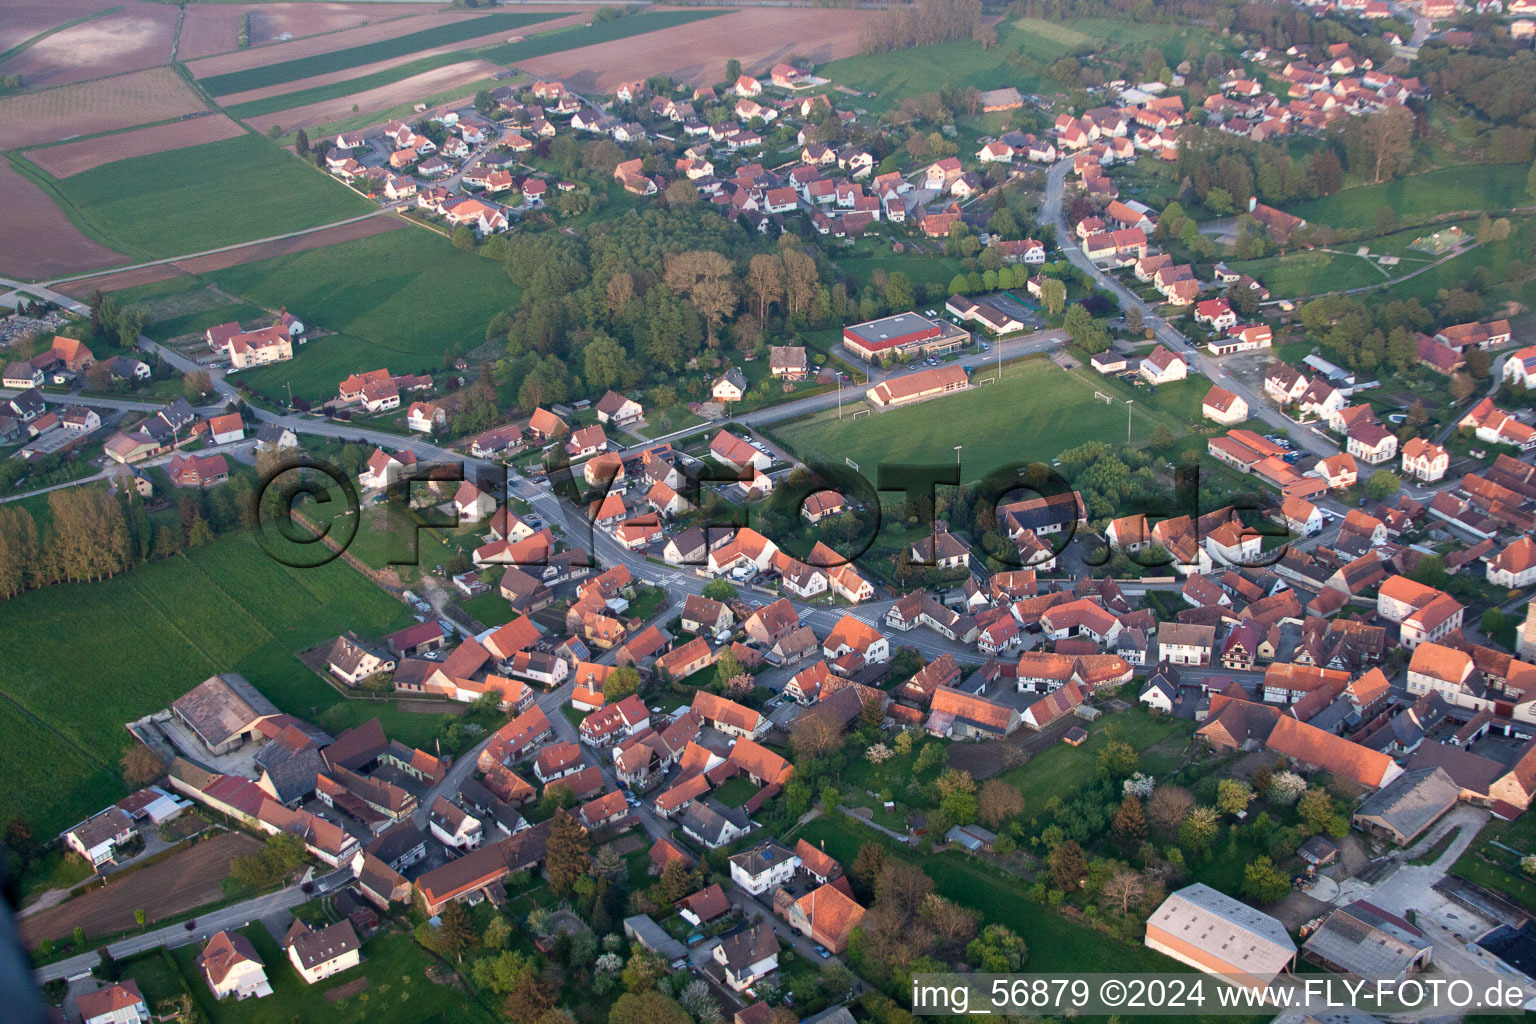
(920, 269)
(1311, 272)
(201, 197)
(397, 990)
(1503, 873)
(489, 609)
(506, 53)
(1493, 257)
(143, 638)
(1060, 770)
(736, 792)
(1447, 190)
(398, 300)
(264, 75)
(964, 63)
(186, 305)
(1035, 413)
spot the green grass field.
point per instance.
(397, 991)
(1470, 187)
(1310, 272)
(1059, 771)
(201, 197)
(1035, 413)
(921, 269)
(264, 75)
(400, 300)
(963, 63)
(143, 638)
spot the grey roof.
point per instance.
(292, 771)
(651, 935)
(1363, 940)
(747, 946)
(222, 706)
(761, 857)
(317, 947)
(102, 827)
(706, 821)
(1248, 939)
(1411, 801)
(396, 842)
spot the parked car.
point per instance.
(822, 951)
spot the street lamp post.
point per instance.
(957, 455)
(1128, 402)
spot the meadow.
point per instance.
(393, 972)
(265, 75)
(142, 639)
(1037, 411)
(964, 63)
(201, 197)
(400, 299)
(1310, 272)
(1447, 190)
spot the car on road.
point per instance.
(822, 951)
(190, 924)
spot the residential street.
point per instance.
(236, 916)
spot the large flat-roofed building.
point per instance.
(1212, 932)
(902, 335)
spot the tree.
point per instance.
(1134, 322)
(566, 853)
(765, 280)
(138, 918)
(454, 934)
(1053, 295)
(1130, 824)
(648, 1008)
(1285, 788)
(1117, 760)
(1232, 796)
(195, 384)
(301, 143)
(141, 766)
(20, 555)
(1168, 808)
(499, 932)
(1382, 485)
(1068, 864)
(814, 736)
(1263, 883)
(621, 682)
(1316, 809)
(998, 802)
(1161, 439)
(1461, 387)
(463, 237)
(997, 950)
(699, 1001)
(726, 668)
(533, 995)
(1124, 888)
(732, 70)
(719, 590)
(1382, 143)
(1198, 830)
(708, 279)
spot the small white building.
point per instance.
(317, 955)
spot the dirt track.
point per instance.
(384, 65)
(312, 45)
(696, 53)
(235, 257)
(417, 87)
(137, 37)
(36, 239)
(166, 888)
(73, 157)
(210, 29)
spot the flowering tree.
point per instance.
(1139, 786)
(1286, 788)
